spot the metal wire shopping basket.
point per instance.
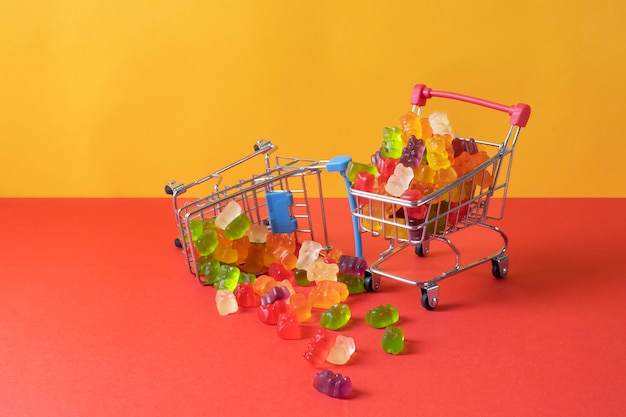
(461, 204)
(279, 197)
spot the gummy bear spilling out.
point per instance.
(417, 158)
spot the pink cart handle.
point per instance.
(519, 112)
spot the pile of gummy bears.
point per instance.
(251, 267)
(416, 159)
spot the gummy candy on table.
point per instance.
(257, 233)
(274, 294)
(393, 340)
(386, 167)
(333, 385)
(280, 273)
(339, 287)
(299, 305)
(287, 327)
(323, 298)
(355, 284)
(413, 152)
(228, 278)
(254, 261)
(228, 214)
(209, 268)
(242, 246)
(354, 168)
(300, 277)
(275, 241)
(440, 124)
(207, 242)
(413, 212)
(411, 126)
(309, 252)
(352, 265)
(392, 144)
(226, 302)
(263, 284)
(382, 316)
(245, 295)
(399, 180)
(464, 145)
(342, 351)
(319, 347)
(238, 227)
(437, 153)
(336, 317)
(269, 313)
(319, 270)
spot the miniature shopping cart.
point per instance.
(278, 197)
(468, 201)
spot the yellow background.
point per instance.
(113, 98)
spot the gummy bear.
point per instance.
(318, 348)
(209, 268)
(413, 152)
(331, 384)
(228, 214)
(245, 295)
(207, 242)
(274, 294)
(257, 233)
(287, 327)
(413, 212)
(411, 126)
(399, 180)
(354, 168)
(335, 317)
(342, 351)
(393, 340)
(238, 227)
(355, 284)
(228, 278)
(352, 265)
(299, 305)
(225, 302)
(280, 273)
(254, 261)
(319, 270)
(437, 153)
(382, 316)
(464, 145)
(263, 284)
(392, 143)
(269, 313)
(440, 124)
(309, 252)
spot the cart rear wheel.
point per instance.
(371, 282)
(178, 243)
(427, 303)
(421, 249)
(500, 266)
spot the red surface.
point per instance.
(100, 317)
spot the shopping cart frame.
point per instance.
(474, 211)
(251, 194)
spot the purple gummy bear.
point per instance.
(274, 294)
(352, 265)
(413, 152)
(333, 385)
(464, 145)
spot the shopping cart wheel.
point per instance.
(371, 282)
(421, 249)
(500, 266)
(430, 297)
(178, 243)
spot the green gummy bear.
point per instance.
(382, 316)
(335, 317)
(393, 340)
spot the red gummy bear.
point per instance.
(457, 214)
(279, 273)
(245, 295)
(288, 327)
(269, 313)
(318, 348)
